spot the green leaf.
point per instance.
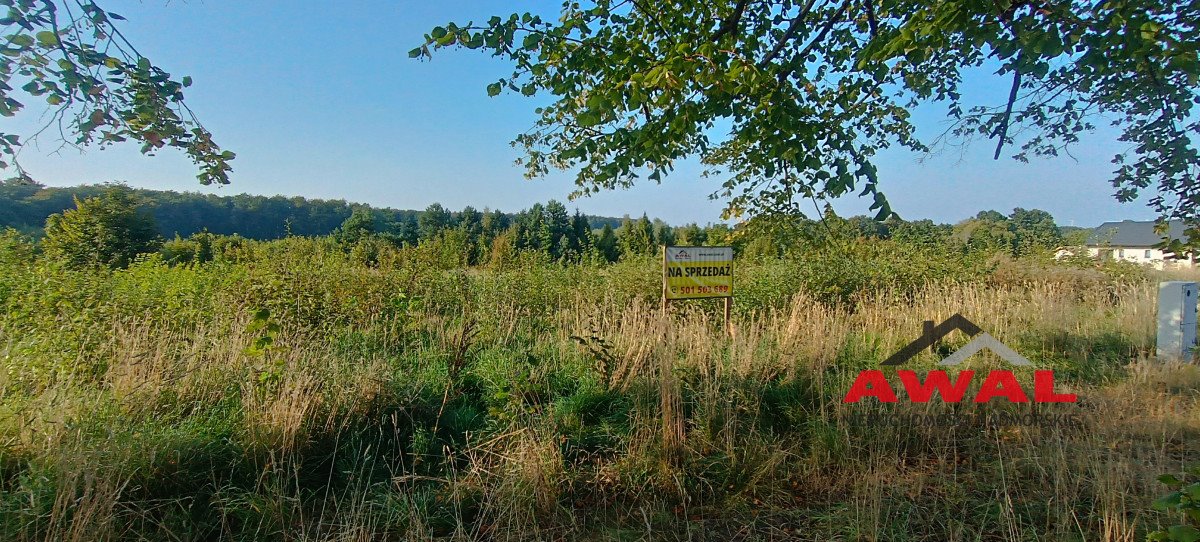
(1169, 480)
(21, 40)
(187, 81)
(1149, 30)
(588, 118)
(1168, 502)
(1184, 533)
(47, 38)
(844, 96)
(493, 89)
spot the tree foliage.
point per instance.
(1021, 233)
(546, 232)
(96, 87)
(108, 230)
(359, 225)
(788, 99)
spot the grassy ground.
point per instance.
(298, 394)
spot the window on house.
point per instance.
(1147, 255)
(1121, 253)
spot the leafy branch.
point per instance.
(98, 88)
(805, 93)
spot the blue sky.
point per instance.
(320, 100)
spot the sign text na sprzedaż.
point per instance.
(697, 272)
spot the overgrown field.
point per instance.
(292, 391)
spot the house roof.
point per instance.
(1131, 233)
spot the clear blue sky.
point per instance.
(319, 99)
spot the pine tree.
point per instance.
(581, 233)
(556, 229)
(636, 236)
(607, 244)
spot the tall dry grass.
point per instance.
(702, 435)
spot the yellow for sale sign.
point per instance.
(697, 272)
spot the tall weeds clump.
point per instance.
(294, 390)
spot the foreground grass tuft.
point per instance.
(298, 394)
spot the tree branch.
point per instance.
(731, 23)
(820, 36)
(1002, 129)
(872, 22)
(652, 17)
(824, 30)
(787, 34)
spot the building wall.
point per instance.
(1140, 255)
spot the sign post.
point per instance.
(698, 273)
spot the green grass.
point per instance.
(297, 393)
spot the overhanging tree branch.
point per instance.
(1002, 129)
(731, 22)
(808, 49)
(788, 34)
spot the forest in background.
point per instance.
(24, 206)
(183, 224)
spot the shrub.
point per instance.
(108, 230)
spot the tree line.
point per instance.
(116, 224)
(24, 206)
(109, 224)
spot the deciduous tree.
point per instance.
(108, 230)
(788, 99)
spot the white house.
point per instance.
(1134, 241)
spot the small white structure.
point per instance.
(1177, 320)
(1134, 241)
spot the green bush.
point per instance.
(108, 230)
